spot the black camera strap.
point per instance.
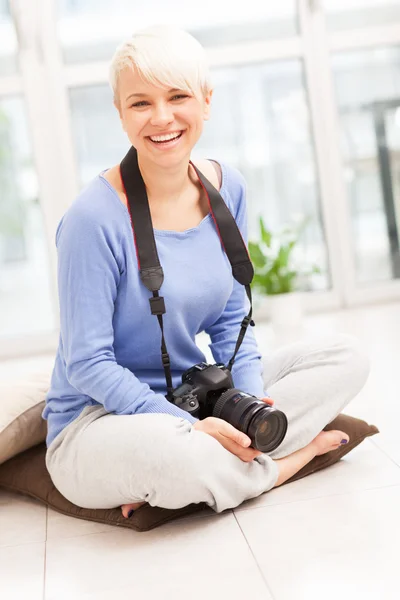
(151, 272)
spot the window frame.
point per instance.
(44, 82)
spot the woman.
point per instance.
(113, 438)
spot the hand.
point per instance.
(231, 438)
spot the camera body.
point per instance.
(201, 387)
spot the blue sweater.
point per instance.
(109, 344)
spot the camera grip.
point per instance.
(191, 405)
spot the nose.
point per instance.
(162, 115)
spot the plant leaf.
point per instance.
(284, 253)
(266, 235)
(256, 255)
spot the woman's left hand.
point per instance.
(268, 401)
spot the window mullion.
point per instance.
(326, 135)
(57, 91)
(366, 37)
(48, 117)
(246, 53)
(33, 83)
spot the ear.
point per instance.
(207, 105)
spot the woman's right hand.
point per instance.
(231, 438)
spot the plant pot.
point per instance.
(286, 313)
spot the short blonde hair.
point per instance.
(164, 56)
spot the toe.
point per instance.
(126, 508)
(344, 438)
(339, 437)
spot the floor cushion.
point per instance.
(27, 474)
(21, 406)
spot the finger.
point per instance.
(245, 454)
(268, 401)
(247, 459)
(249, 454)
(234, 434)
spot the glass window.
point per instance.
(99, 139)
(88, 30)
(259, 123)
(368, 94)
(8, 41)
(25, 296)
(348, 14)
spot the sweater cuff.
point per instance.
(249, 379)
(178, 412)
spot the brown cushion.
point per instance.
(27, 474)
(357, 430)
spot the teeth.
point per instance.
(164, 138)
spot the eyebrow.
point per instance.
(143, 95)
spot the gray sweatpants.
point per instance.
(103, 460)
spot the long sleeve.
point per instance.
(89, 272)
(247, 368)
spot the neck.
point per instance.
(166, 184)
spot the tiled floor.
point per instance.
(333, 535)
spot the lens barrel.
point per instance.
(266, 426)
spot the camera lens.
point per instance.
(266, 426)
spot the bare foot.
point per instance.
(127, 507)
(326, 441)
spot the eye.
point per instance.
(144, 102)
(180, 96)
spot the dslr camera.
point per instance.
(207, 391)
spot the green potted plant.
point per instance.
(278, 275)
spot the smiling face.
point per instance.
(147, 112)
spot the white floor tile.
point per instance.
(389, 443)
(190, 559)
(337, 547)
(196, 587)
(365, 467)
(61, 526)
(379, 403)
(22, 572)
(385, 414)
(22, 520)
